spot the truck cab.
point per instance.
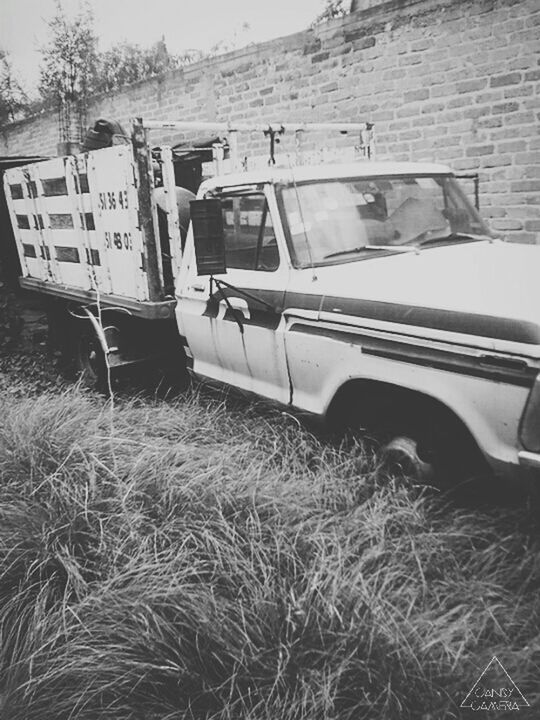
(372, 291)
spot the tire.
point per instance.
(401, 456)
(441, 454)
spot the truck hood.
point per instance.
(491, 287)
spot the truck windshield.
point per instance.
(329, 221)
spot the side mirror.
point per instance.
(207, 220)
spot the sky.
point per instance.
(197, 24)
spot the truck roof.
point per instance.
(363, 168)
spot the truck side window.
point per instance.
(250, 242)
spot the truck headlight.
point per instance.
(529, 432)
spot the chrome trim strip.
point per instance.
(529, 459)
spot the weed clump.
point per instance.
(202, 560)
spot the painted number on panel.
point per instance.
(118, 240)
(114, 200)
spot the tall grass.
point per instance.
(206, 560)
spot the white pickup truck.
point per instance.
(369, 293)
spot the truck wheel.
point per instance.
(90, 361)
(401, 455)
(445, 457)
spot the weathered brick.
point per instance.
(451, 153)
(415, 95)
(461, 101)
(495, 161)
(525, 186)
(408, 110)
(446, 141)
(505, 133)
(520, 118)
(493, 212)
(355, 34)
(311, 46)
(521, 61)
(488, 97)
(528, 157)
(443, 90)
(382, 116)
(509, 79)
(432, 108)
(505, 108)
(364, 43)
(489, 122)
(476, 112)
(420, 45)
(468, 86)
(410, 134)
(414, 59)
(506, 224)
(320, 57)
(478, 150)
(522, 237)
(329, 87)
(518, 91)
(512, 146)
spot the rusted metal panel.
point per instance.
(147, 211)
(148, 310)
(173, 225)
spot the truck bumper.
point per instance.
(529, 460)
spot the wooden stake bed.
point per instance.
(86, 228)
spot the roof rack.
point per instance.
(271, 130)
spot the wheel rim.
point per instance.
(401, 455)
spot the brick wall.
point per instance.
(457, 82)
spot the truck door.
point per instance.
(234, 324)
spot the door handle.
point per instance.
(198, 287)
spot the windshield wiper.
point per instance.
(465, 237)
(378, 248)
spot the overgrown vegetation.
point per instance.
(202, 559)
(70, 57)
(14, 102)
(10, 323)
(73, 66)
(126, 63)
(333, 9)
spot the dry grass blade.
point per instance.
(207, 561)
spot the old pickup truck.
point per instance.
(370, 294)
